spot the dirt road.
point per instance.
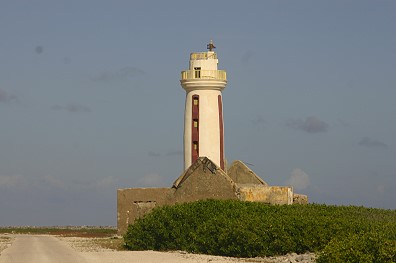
(40, 249)
(50, 249)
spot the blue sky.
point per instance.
(90, 99)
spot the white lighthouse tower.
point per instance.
(203, 115)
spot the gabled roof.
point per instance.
(204, 180)
(203, 162)
(241, 174)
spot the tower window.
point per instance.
(195, 123)
(197, 72)
(195, 101)
(195, 145)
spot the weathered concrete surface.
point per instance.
(202, 180)
(133, 203)
(300, 199)
(279, 195)
(241, 174)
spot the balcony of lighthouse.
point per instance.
(204, 75)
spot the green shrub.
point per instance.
(247, 229)
(369, 247)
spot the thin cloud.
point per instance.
(299, 179)
(72, 107)
(5, 97)
(310, 124)
(106, 183)
(39, 49)
(47, 182)
(259, 120)
(53, 182)
(342, 123)
(174, 153)
(247, 55)
(381, 189)
(11, 181)
(66, 60)
(153, 154)
(170, 153)
(372, 143)
(151, 180)
(122, 74)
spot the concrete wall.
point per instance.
(300, 199)
(205, 60)
(133, 203)
(279, 195)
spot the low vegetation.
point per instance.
(113, 243)
(246, 229)
(82, 231)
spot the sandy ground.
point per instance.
(94, 253)
(180, 257)
(91, 252)
(5, 241)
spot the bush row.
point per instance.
(368, 247)
(247, 229)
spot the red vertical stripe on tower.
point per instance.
(195, 129)
(221, 125)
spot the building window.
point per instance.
(195, 123)
(195, 145)
(197, 72)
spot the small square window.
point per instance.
(195, 123)
(195, 101)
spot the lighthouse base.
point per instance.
(203, 180)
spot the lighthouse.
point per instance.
(203, 154)
(203, 115)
